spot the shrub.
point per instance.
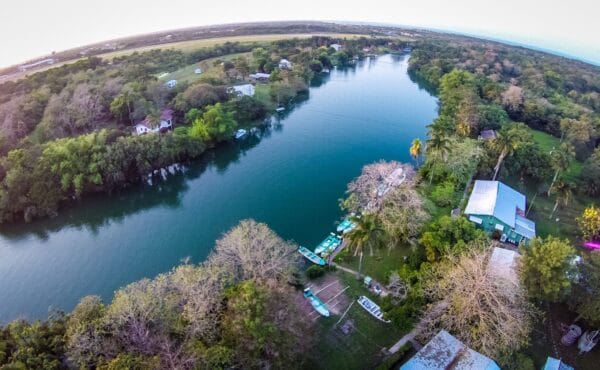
(316, 271)
(443, 194)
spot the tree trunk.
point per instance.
(554, 209)
(497, 168)
(553, 181)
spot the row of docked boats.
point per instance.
(328, 245)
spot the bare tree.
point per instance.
(512, 98)
(374, 183)
(252, 250)
(403, 214)
(487, 312)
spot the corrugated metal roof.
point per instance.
(445, 351)
(483, 198)
(493, 198)
(525, 227)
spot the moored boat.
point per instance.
(345, 226)
(329, 244)
(312, 257)
(319, 306)
(239, 134)
(372, 308)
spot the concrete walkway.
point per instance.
(410, 337)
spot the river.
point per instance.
(290, 177)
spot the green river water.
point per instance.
(290, 176)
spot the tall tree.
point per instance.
(589, 223)
(368, 233)
(416, 150)
(437, 150)
(560, 159)
(563, 191)
(546, 268)
(506, 143)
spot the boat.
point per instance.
(372, 308)
(312, 257)
(329, 244)
(319, 306)
(346, 226)
(280, 109)
(239, 134)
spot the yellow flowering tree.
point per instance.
(589, 223)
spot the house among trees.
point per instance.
(336, 47)
(444, 351)
(488, 135)
(496, 207)
(165, 123)
(258, 76)
(171, 84)
(285, 64)
(243, 90)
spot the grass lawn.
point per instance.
(360, 349)
(380, 265)
(208, 69)
(191, 45)
(548, 142)
(563, 223)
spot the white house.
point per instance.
(243, 90)
(165, 123)
(336, 47)
(198, 71)
(285, 64)
(171, 84)
(258, 76)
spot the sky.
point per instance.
(29, 29)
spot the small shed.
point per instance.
(243, 90)
(171, 84)
(198, 71)
(488, 135)
(285, 64)
(335, 47)
(259, 76)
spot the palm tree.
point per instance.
(416, 150)
(506, 143)
(564, 193)
(560, 160)
(367, 233)
(437, 149)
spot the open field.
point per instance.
(548, 142)
(189, 46)
(208, 69)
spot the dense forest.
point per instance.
(66, 132)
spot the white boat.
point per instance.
(239, 134)
(280, 109)
(372, 308)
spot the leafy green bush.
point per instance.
(443, 194)
(520, 361)
(393, 361)
(316, 271)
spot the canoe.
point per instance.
(345, 226)
(371, 308)
(311, 256)
(239, 134)
(319, 306)
(328, 245)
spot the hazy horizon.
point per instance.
(564, 29)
